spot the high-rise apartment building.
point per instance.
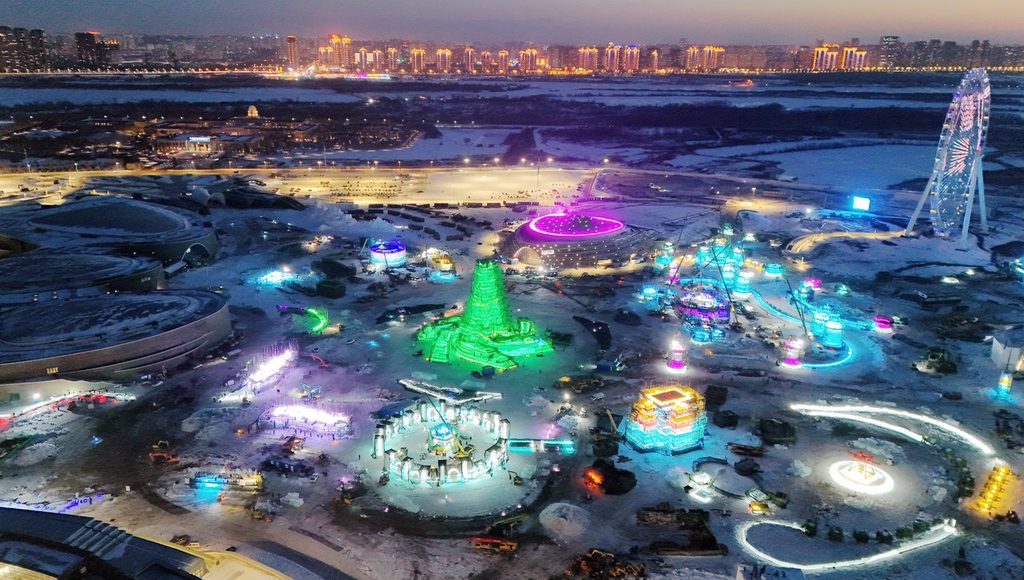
(392, 64)
(22, 50)
(345, 58)
(652, 60)
(502, 61)
(826, 57)
(335, 53)
(890, 52)
(694, 58)
(469, 60)
(853, 58)
(362, 59)
(528, 60)
(377, 60)
(631, 59)
(292, 52)
(611, 58)
(485, 61)
(94, 51)
(444, 60)
(712, 57)
(587, 58)
(417, 60)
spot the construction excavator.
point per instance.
(160, 453)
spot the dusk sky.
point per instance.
(547, 21)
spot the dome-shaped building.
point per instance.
(575, 240)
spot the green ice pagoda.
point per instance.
(485, 333)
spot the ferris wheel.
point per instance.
(957, 171)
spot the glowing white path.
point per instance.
(931, 537)
(849, 412)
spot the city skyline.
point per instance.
(662, 21)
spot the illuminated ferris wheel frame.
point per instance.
(957, 173)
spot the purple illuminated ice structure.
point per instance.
(568, 225)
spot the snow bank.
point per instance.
(34, 454)
(883, 450)
(798, 469)
(564, 521)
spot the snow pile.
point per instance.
(859, 503)
(568, 422)
(292, 499)
(677, 478)
(798, 469)
(34, 454)
(937, 493)
(686, 574)
(209, 424)
(537, 401)
(564, 521)
(887, 451)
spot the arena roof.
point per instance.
(41, 271)
(112, 217)
(40, 329)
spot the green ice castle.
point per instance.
(485, 333)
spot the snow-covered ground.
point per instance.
(400, 531)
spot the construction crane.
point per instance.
(463, 451)
(611, 420)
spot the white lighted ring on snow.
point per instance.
(848, 475)
(933, 536)
(841, 412)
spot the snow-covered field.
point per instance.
(399, 531)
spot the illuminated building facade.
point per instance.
(611, 58)
(631, 59)
(485, 333)
(486, 65)
(444, 60)
(417, 59)
(693, 58)
(668, 419)
(345, 54)
(587, 58)
(712, 57)
(854, 58)
(292, 56)
(890, 51)
(392, 62)
(653, 65)
(528, 60)
(826, 57)
(335, 53)
(469, 60)
(502, 61)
